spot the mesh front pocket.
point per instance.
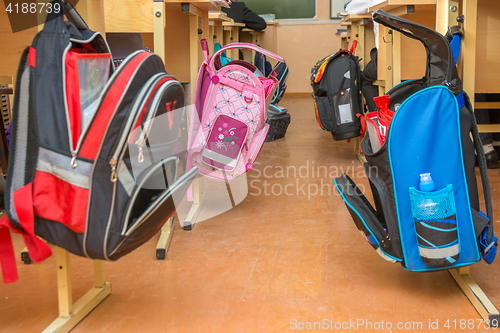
(343, 107)
(435, 220)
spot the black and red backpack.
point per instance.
(92, 167)
(336, 81)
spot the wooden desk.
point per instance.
(180, 19)
(360, 28)
(402, 58)
(255, 38)
(216, 34)
(232, 35)
(267, 39)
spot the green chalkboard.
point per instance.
(283, 9)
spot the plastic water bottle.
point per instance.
(428, 206)
(426, 183)
(435, 224)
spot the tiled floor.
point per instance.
(273, 262)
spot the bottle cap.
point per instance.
(426, 182)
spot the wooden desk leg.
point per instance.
(25, 256)
(165, 238)
(236, 39)
(65, 297)
(211, 39)
(193, 52)
(388, 56)
(444, 16)
(349, 38)
(396, 58)
(256, 41)
(205, 27)
(233, 37)
(219, 32)
(159, 45)
(159, 24)
(198, 201)
(360, 48)
(476, 296)
(469, 47)
(357, 151)
(71, 314)
(228, 39)
(360, 51)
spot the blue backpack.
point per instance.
(425, 225)
(280, 71)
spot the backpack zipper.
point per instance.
(255, 148)
(148, 122)
(74, 151)
(207, 101)
(132, 118)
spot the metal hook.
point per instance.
(390, 33)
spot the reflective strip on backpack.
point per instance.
(21, 138)
(60, 166)
(439, 253)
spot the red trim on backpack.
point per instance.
(383, 103)
(73, 95)
(353, 46)
(95, 134)
(23, 203)
(57, 200)
(7, 257)
(32, 57)
(38, 249)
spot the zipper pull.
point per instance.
(113, 162)
(140, 156)
(74, 162)
(249, 165)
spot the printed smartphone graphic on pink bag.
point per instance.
(224, 143)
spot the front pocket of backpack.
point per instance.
(324, 113)
(61, 191)
(343, 107)
(435, 219)
(152, 202)
(225, 143)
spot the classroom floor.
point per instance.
(269, 264)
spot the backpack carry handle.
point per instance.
(478, 145)
(55, 21)
(244, 46)
(74, 17)
(439, 55)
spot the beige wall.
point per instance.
(303, 45)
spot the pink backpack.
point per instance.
(231, 103)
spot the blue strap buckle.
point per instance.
(488, 250)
